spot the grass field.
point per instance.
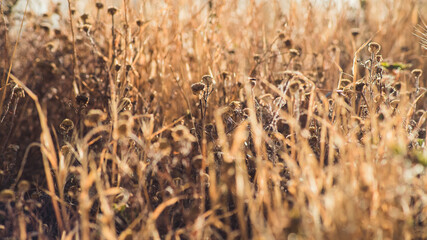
(201, 119)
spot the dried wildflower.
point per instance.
(293, 52)
(197, 88)
(7, 195)
(99, 5)
(374, 47)
(94, 116)
(112, 11)
(417, 73)
(66, 125)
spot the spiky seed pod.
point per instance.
(374, 47)
(112, 11)
(197, 88)
(359, 86)
(293, 53)
(66, 125)
(94, 116)
(99, 5)
(293, 87)
(417, 73)
(355, 32)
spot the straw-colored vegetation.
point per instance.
(214, 120)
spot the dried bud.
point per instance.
(86, 28)
(374, 47)
(84, 17)
(7, 195)
(379, 58)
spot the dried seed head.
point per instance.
(7, 195)
(293, 52)
(355, 32)
(294, 87)
(82, 99)
(257, 58)
(207, 79)
(197, 87)
(288, 43)
(66, 125)
(374, 47)
(23, 186)
(112, 11)
(18, 92)
(94, 116)
(344, 83)
(252, 82)
(417, 73)
(125, 104)
(398, 86)
(180, 133)
(99, 5)
(140, 22)
(359, 86)
(379, 58)
(84, 17)
(123, 129)
(86, 28)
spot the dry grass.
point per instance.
(214, 120)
